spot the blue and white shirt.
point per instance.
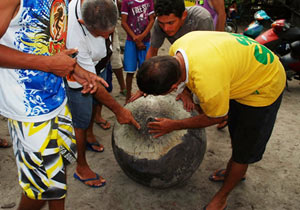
(26, 94)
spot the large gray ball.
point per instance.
(162, 162)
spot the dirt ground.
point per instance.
(271, 184)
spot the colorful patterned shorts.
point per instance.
(42, 150)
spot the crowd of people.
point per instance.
(57, 61)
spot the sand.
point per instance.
(271, 184)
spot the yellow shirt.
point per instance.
(223, 66)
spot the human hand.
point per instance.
(187, 100)
(140, 45)
(137, 95)
(88, 80)
(61, 64)
(160, 127)
(126, 117)
(138, 38)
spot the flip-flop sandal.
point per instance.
(91, 179)
(4, 143)
(219, 176)
(123, 92)
(104, 125)
(89, 146)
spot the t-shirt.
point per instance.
(30, 95)
(198, 19)
(90, 49)
(223, 66)
(207, 5)
(138, 12)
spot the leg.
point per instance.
(56, 204)
(96, 117)
(116, 61)
(30, 204)
(4, 143)
(83, 170)
(129, 78)
(130, 65)
(234, 173)
(250, 129)
(90, 137)
(120, 78)
(33, 176)
(81, 106)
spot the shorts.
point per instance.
(116, 60)
(250, 129)
(42, 150)
(106, 74)
(133, 57)
(81, 106)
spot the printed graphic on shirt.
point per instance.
(261, 53)
(138, 13)
(58, 26)
(43, 32)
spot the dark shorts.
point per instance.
(81, 106)
(250, 129)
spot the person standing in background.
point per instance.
(137, 21)
(116, 60)
(217, 10)
(215, 7)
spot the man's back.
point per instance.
(223, 66)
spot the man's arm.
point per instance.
(163, 126)
(8, 9)
(60, 64)
(126, 26)
(151, 52)
(87, 79)
(124, 116)
(220, 9)
(187, 98)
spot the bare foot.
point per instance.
(4, 143)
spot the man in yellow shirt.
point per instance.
(230, 74)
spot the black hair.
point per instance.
(166, 7)
(157, 75)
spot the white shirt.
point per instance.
(90, 49)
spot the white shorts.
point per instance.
(116, 60)
(42, 149)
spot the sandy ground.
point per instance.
(271, 184)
